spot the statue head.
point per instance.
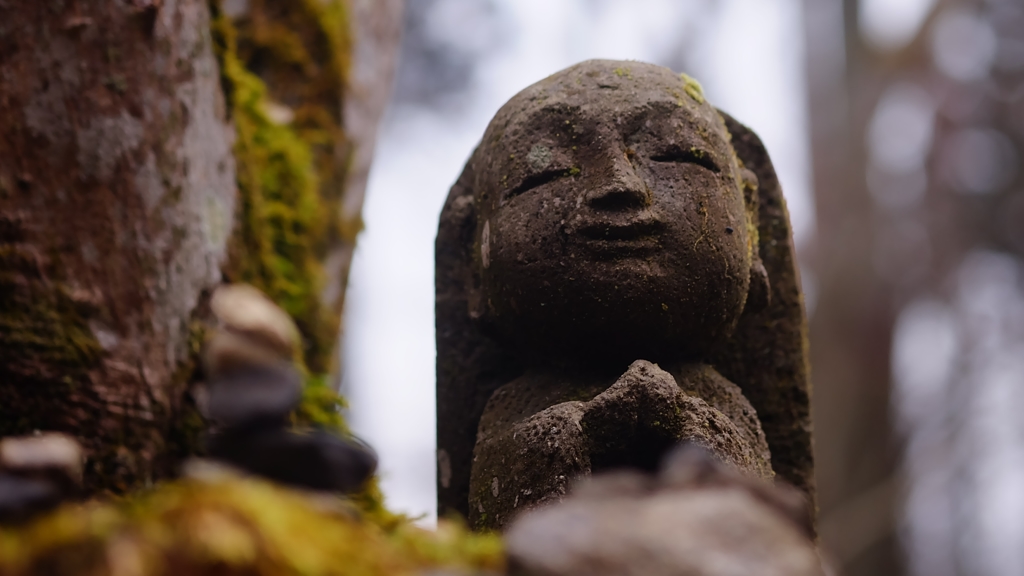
(612, 219)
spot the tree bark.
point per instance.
(142, 163)
(118, 195)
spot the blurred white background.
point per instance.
(460, 62)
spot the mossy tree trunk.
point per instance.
(117, 200)
(150, 150)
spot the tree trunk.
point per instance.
(851, 327)
(150, 150)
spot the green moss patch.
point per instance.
(235, 526)
(46, 346)
(693, 88)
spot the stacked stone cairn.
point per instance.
(37, 473)
(254, 386)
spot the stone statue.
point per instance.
(611, 219)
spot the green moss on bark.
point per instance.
(46, 346)
(284, 66)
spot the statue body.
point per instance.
(597, 264)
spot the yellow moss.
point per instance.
(693, 88)
(242, 526)
(234, 526)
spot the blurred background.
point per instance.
(896, 127)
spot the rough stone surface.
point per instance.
(697, 518)
(611, 222)
(767, 354)
(606, 217)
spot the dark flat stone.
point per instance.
(21, 498)
(250, 395)
(316, 460)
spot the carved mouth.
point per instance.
(628, 237)
(630, 230)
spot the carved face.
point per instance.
(611, 220)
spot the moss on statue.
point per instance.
(693, 88)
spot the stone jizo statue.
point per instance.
(615, 275)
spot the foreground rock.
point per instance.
(696, 518)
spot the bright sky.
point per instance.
(748, 54)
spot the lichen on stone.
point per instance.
(693, 88)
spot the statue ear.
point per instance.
(759, 295)
(476, 302)
(748, 179)
(463, 213)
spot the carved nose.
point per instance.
(623, 191)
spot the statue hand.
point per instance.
(645, 412)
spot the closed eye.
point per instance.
(534, 180)
(688, 156)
